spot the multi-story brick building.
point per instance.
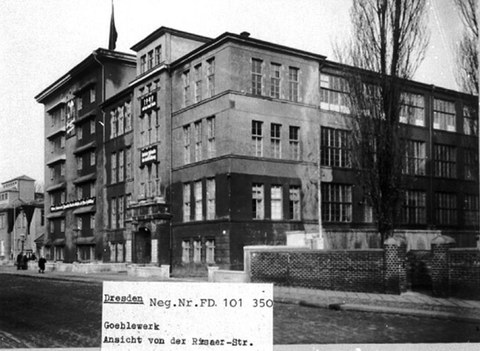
(22, 219)
(74, 154)
(228, 135)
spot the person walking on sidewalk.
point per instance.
(19, 260)
(41, 265)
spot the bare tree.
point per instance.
(39, 186)
(467, 47)
(389, 38)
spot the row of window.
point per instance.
(121, 120)
(82, 191)
(83, 161)
(275, 150)
(202, 129)
(277, 74)
(151, 59)
(57, 115)
(149, 125)
(150, 181)
(91, 128)
(117, 210)
(196, 212)
(121, 166)
(21, 221)
(199, 75)
(276, 202)
(193, 250)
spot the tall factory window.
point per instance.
(294, 142)
(412, 110)
(150, 59)
(211, 198)
(471, 210)
(198, 190)
(471, 164)
(198, 83)
(121, 164)
(444, 115)
(445, 161)
(336, 202)
(414, 209)
(334, 93)
(293, 84)
(186, 144)
(158, 55)
(470, 120)
(113, 213)
(113, 124)
(415, 158)
(186, 202)
(256, 77)
(257, 138)
(143, 64)
(294, 202)
(211, 147)
(258, 201)
(113, 163)
(121, 124)
(275, 80)
(276, 202)
(210, 251)
(335, 148)
(128, 116)
(211, 77)
(446, 210)
(198, 140)
(186, 251)
(275, 140)
(197, 251)
(186, 88)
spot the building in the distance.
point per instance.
(216, 144)
(74, 154)
(22, 219)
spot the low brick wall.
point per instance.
(464, 273)
(345, 270)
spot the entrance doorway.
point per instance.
(143, 246)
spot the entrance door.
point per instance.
(143, 246)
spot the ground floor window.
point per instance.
(210, 251)
(59, 253)
(2, 248)
(85, 252)
(117, 252)
(197, 251)
(186, 251)
(336, 202)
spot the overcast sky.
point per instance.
(42, 39)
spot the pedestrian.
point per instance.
(33, 257)
(19, 260)
(24, 262)
(41, 265)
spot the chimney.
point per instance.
(245, 34)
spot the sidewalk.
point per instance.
(410, 303)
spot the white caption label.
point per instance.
(187, 316)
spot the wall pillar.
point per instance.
(439, 262)
(395, 276)
(128, 250)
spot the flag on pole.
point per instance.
(112, 40)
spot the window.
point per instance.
(294, 142)
(445, 157)
(197, 186)
(415, 158)
(92, 126)
(113, 124)
(156, 116)
(2, 221)
(149, 118)
(446, 210)
(275, 141)
(186, 144)
(59, 253)
(335, 148)
(414, 209)
(80, 132)
(211, 198)
(471, 210)
(471, 164)
(336, 202)
(211, 148)
(276, 202)
(79, 163)
(92, 221)
(150, 59)
(293, 84)
(62, 225)
(258, 202)
(158, 55)
(121, 168)
(62, 141)
(412, 110)
(92, 158)
(79, 101)
(128, 163)
(198, 83)
(334, 93)
(275, 80)
(197, 251)
(256, 77)
(121, 124)
(211, 77)
(198, 141)
(113, 162)
(186, 88)
(143, 64)
(257, 138)
(113, 213)
(470, 121)
(444, 115)
(185, 251)
(294, 202)
(79, 223)
(210, 251)
(92, 94)
(121, 211)
(186, 202)
(128, 116)
(62, 169)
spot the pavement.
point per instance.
(409, 303)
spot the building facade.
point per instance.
(220, 143)
(22, 218)
(74, 154)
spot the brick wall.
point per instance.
(345, 270)
(464, 273)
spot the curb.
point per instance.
(382, 309)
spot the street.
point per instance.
(56, 313)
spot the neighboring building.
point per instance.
(22, 219)
(74, 154)
(222, 149)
